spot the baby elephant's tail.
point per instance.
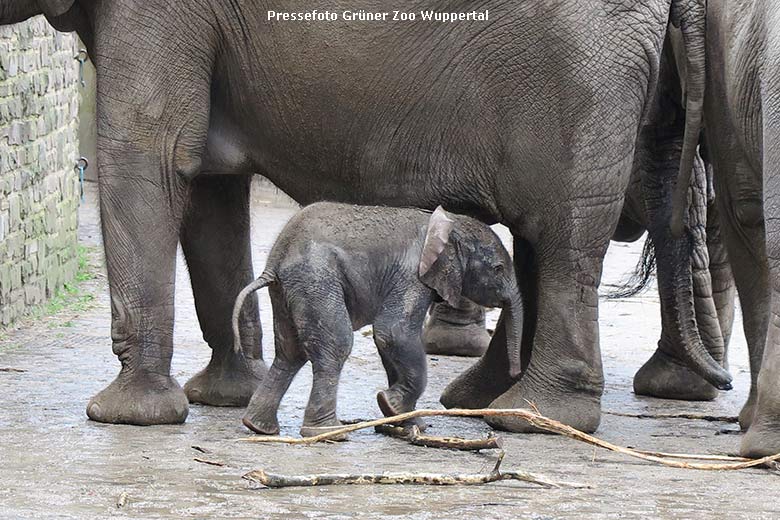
(264, 280)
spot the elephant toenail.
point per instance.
(93, 410)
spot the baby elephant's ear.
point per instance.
(440, 268)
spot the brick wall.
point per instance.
(39, 103)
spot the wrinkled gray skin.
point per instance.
(698, 255)
(530, 120)
(667, 374)
(336, 268)
(742, 132)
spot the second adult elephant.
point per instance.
(529, 118)
(742, 132)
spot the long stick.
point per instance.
(430, 479)
(537, 420)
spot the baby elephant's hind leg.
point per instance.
(325, 334)
(403, 356)
(261, 414)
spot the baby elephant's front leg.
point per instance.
(403, 357)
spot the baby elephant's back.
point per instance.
(349, 230)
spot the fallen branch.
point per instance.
(413, 436)
(429, 479)
(11, 369)
(535, 419)
(695, 416)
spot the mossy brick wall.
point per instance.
(39, 103)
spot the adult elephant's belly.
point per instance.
(488, 119)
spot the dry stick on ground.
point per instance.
(413, 436)
(430, 479)
(685, 456)
(209, 462)
(696, 416)
(539, 421)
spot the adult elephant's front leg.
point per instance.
(215, 239)
(564, 377)
(140, 218)
(152, 124)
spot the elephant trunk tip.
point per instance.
(718, 376)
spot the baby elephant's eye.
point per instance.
(498, 268)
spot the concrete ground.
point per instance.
(56, 463)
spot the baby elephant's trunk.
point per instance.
(263, 281)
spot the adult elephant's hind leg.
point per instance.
(215, 239)
(151, 131)
(763, 436)
(456, 331)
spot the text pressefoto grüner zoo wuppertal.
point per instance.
(377, 16)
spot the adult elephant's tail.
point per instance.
(264, 280)
(691, 17)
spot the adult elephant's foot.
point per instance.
(762, 438)
(229, 379)
(748, 411)
(142, 399)
(451, 331)
(665, 377)
(477, 387)
(579, 409)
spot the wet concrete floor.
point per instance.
(54, 463)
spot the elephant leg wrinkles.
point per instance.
(261, 416)
(143, 194)
(215, 240)
(763, 436)
(562, 373)
(746, 248)
(400, 347)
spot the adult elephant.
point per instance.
(742, 132)
(529, 119)
(688, 293)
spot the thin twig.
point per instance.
(684, 456)
(11, 369)
(413, 436)
(539, 421)
(695, 416)
(430, 479)
(209, 462)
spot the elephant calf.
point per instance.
(336, 268)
